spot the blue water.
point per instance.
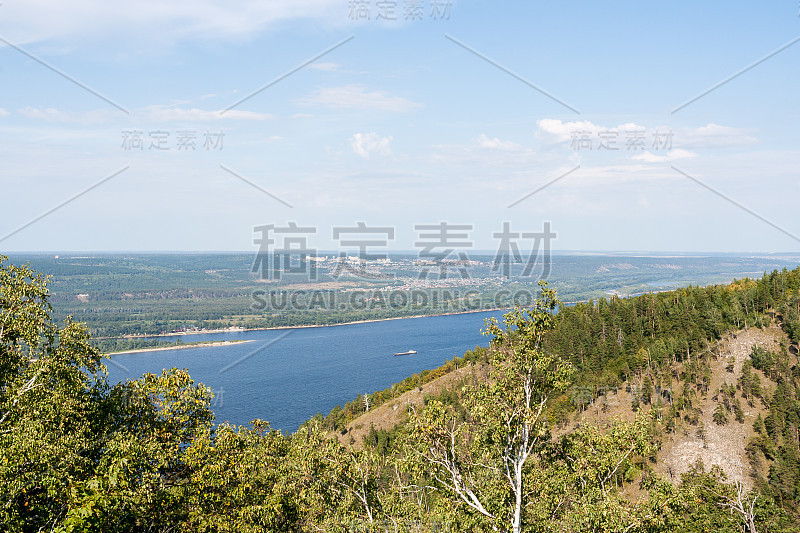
(287, 376)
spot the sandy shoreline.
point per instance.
(183, 346)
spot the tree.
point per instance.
(593, 465)
(484, 462)
(242, 480)
(76, 454)
(737, 411)
(711, 495)
(48, 407)
(720, 415)
(366, 402)
(647, 389)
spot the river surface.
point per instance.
(287, 376)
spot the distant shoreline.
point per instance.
(302, 326)
(208, 344)
(234, 329)
(379, 320)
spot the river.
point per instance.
(287, 376)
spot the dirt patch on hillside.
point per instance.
(723, 445)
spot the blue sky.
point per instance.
(405, 122)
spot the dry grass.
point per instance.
(395, 411)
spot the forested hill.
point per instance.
(496, 454)
(641, 338)
(709, 365)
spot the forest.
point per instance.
(497, 454)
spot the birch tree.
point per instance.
(483, 462)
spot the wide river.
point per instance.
(287, 376)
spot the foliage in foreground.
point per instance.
(79, 455)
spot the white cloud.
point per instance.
(484, 153)
(165, 114)
(365, 144)
(554, 130)
(327, 67)
(357, 97)
(672, 155)
(3, 112)
(43, 114)
(593, 179)
(715, 136)
(708, 136)
(55, 115)
(485, 142)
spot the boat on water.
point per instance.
(410, 352)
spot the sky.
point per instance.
(177, 125)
